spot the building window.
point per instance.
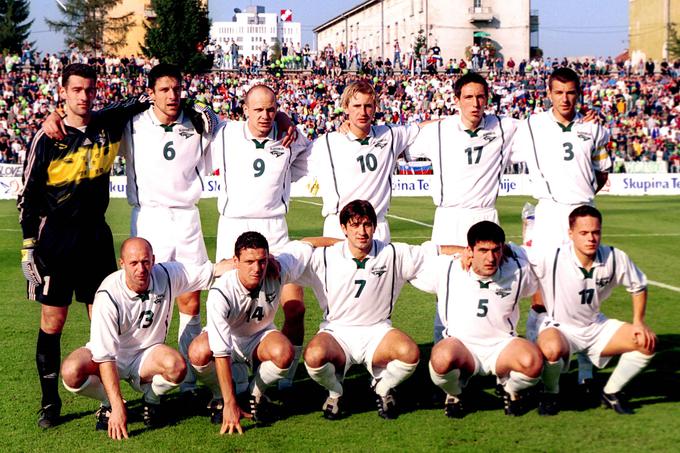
(477, 3)
(412, 7)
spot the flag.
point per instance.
(286, 15)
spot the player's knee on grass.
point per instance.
(73, 373)
(282, 354)
(316, 354)
(406, 351)
(531, 362)
(199, 350)
(174, 367)
(552, 345)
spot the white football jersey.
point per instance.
(467, 165)
(350, 169)
(233, 311)
(562, 160)
(165, 164)
(477, 309)
(256, 174)
(125, 323)
(360, 293)
(573, 295)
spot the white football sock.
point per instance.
(207, 374)
(449, 382)
(189, 328)
(91, 388)
(287, 381)
(519, 381)
(585, 367)
(395, 373)
(630, 364)
(551, 375)
(266, 375)
(326, 377)
(161, 386)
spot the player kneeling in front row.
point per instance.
(357, 281)
(575, 279)
(240, 332)
(130, 320)
(479, 309)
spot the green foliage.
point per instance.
(276, 51)
(88, 25)
(178, 34)
(673, 41)
(14, 28)
(645, 227)
(420, 43)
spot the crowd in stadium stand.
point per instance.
(639, 103)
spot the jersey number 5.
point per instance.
(482, 308)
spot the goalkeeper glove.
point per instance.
(28, 265)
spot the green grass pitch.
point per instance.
(648, 228)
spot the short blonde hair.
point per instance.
(361, 86)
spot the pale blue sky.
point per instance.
(567, 28)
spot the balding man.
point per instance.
(130, 320)
(256, 171)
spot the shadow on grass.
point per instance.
(656, 384)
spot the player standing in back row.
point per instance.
(568, 164)
(469, 152)
(358, 165)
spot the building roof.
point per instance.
(363, 5)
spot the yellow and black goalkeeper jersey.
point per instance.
(67, 181)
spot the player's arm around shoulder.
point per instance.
(529, 281)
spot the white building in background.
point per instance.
(453, 25)
(250, 27)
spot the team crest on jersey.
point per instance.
(277, 151)
(62, 145)
(378, 271)
(186, 133)
(489, 136)
(585, 136)
(270, 297)
(380, 143)
(158, 299)
(503, 292)
(602, 282)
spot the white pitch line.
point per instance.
(664, 286)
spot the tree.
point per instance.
(673, 41)
(178, 34)
(421, 42)
(14, 29)
(88, 25)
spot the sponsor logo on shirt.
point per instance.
(269, 297)
(158, 299)
(378, 271)
(602, 282)
(503, 292)
(186, 133)
(489, 136)
(585, 136)
(277, 151)
(380, 143)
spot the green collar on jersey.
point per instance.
(566, 128)
(473, 133)
(588, 274)
(143, 296)
(363, 141)
(168, 127)
(484, 285)
(361, 264)
(260, 145)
